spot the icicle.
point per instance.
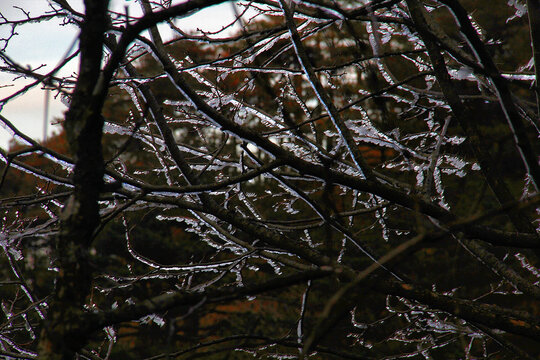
(300, 325)
(439, 187)
(520, 9)
(152, 318)
(527, 265)
(28, 327)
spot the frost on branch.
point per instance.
(313, 179)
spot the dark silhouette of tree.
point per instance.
(347, 179)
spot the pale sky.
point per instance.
(46, 44)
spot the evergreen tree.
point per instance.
(332, 180)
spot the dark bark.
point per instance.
(475, 139)
(533, 10)
(61, 336)
(515, 122)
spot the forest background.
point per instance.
(332, 181)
